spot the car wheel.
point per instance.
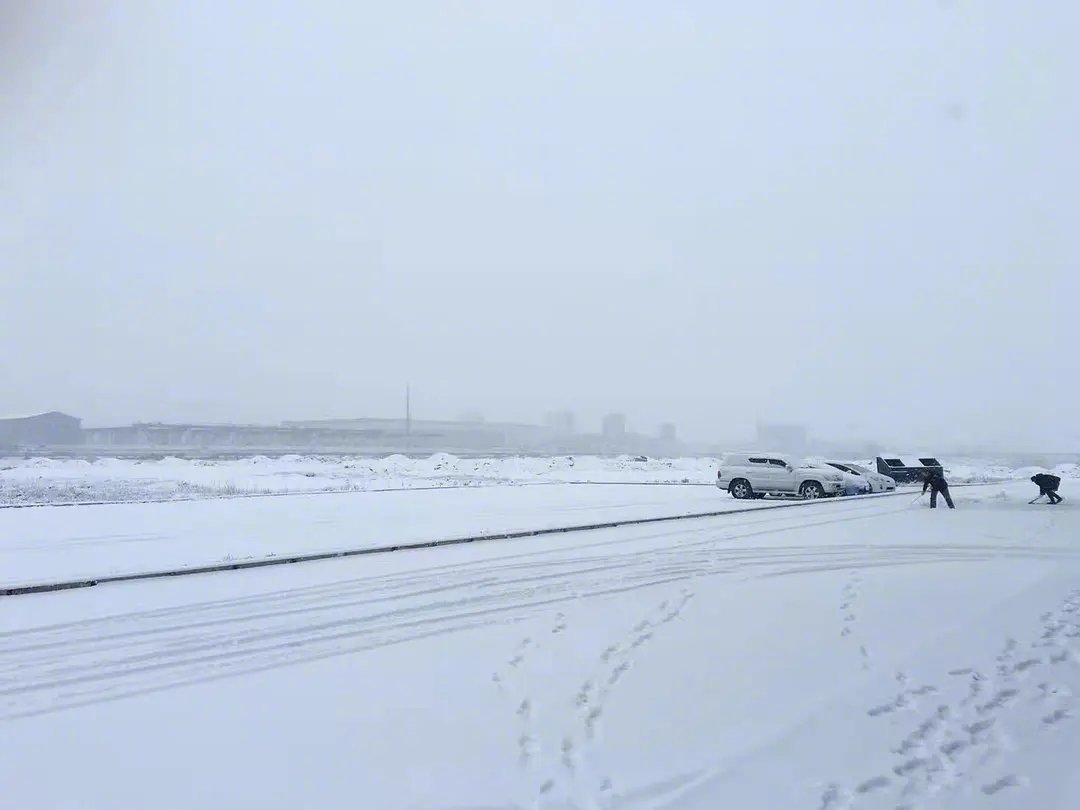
(740, 488)
(812, 490)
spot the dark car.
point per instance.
(907, 471)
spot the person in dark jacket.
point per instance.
(934, 480)
(1048, 486)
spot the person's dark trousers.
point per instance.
(1053, 496)
(945, 492)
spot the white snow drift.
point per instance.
(44, 480)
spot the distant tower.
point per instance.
(561, 422)
(614, 426)
(668, 432)
(408, 409)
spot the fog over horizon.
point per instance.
(853, 217)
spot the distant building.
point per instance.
(560, 422)
(434, 435)
(668, 432)
(614, 426)
(40, 430)
(787, 438)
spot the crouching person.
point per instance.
(1048, 486)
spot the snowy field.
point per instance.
(46, 480)
(853, 654)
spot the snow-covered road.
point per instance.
(856, 654)
(63, 542)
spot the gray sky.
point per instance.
(861, 216)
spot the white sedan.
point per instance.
(875, 480)
(854, 484)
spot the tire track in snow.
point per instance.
(331, 555)
(50, 668)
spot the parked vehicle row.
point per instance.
(747, 476)
(876, 481)
(755, 475)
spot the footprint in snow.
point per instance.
(998, 701)
(1026, 664)
(980, 727)
(913, 764)
(526, 749)
(870, 785)
(1048, 691)
(954, 747)
(831, 798)
(582, 699)
(884, 708)
(1060, 657)
(591, 721)
(1056, 717)
(618, 672)
(568, 753)
(1001, 784)
(519, 656)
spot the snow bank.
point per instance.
(47, 480)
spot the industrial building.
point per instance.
(39, 430)
(370, 436)
(436, 435)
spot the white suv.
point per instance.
(752, 475)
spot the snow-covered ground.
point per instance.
(860, 654)
(46, 480)
(52, 543)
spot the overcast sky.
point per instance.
(859, 216)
